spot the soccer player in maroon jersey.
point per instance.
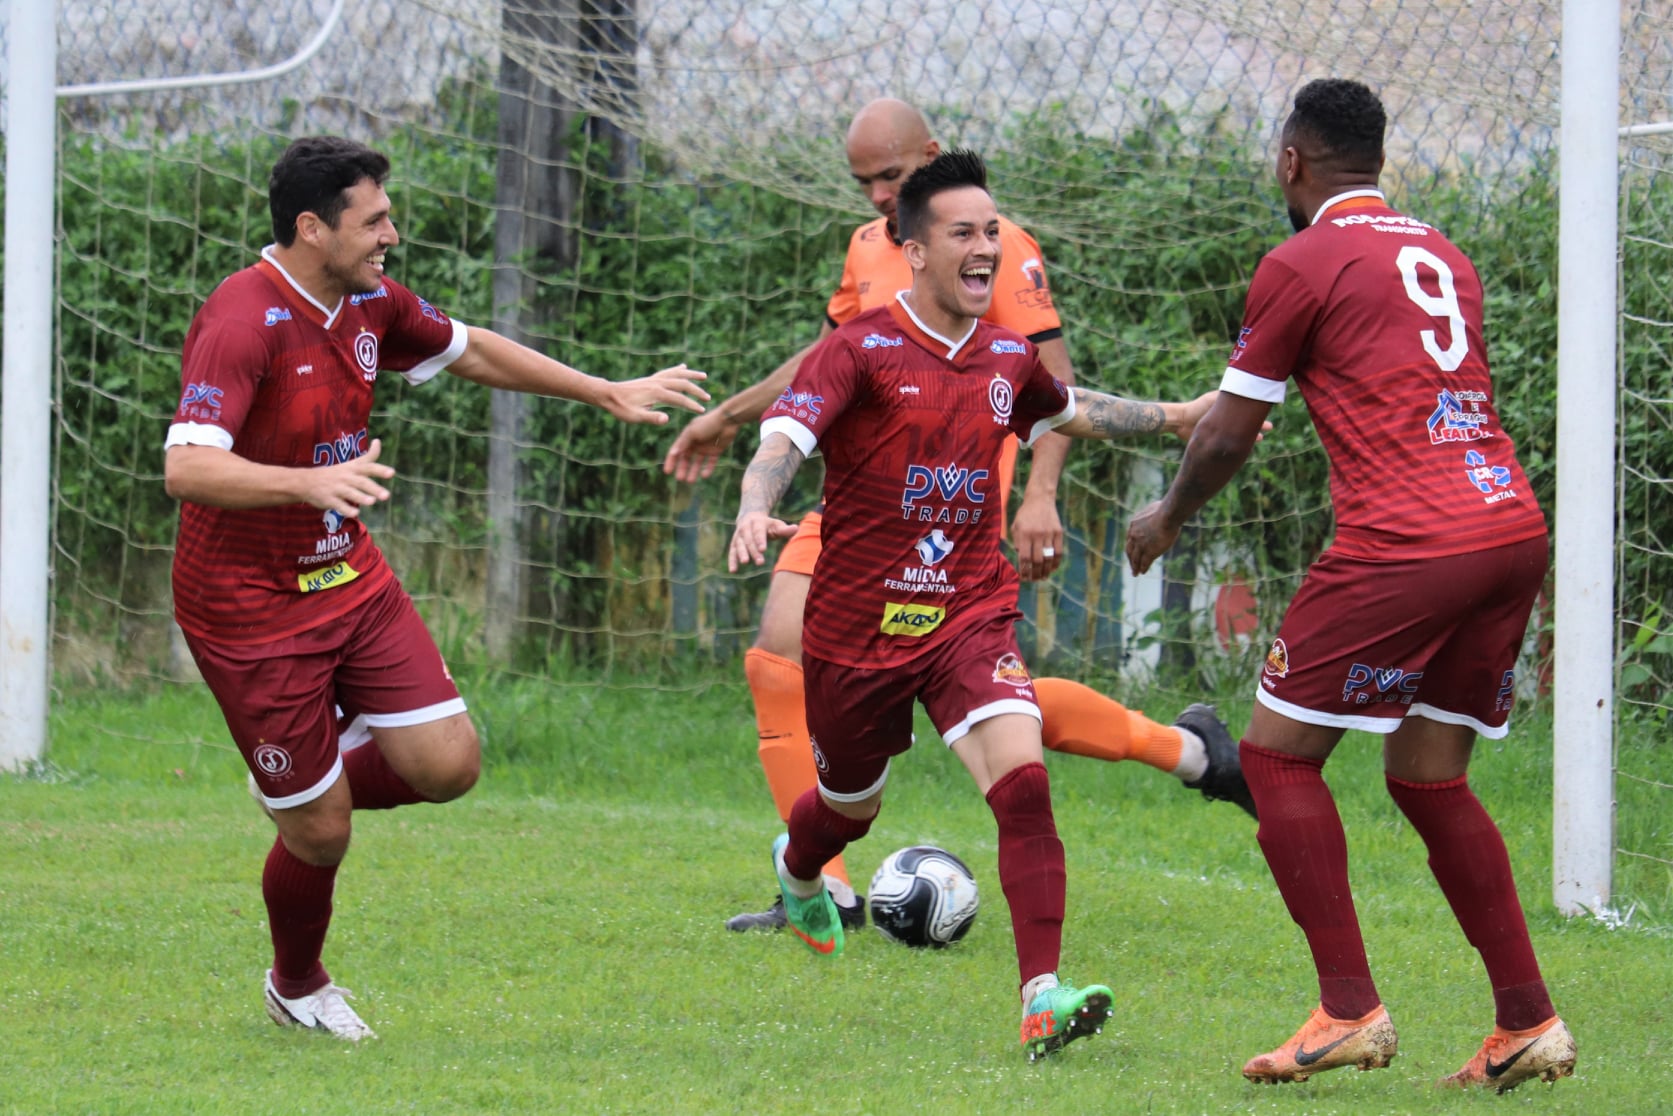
(910, 404)
(287, 605)
(1440, 549)
(886, 141)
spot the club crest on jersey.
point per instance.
(819, 759)
(941, 485)
(1009, 671)
(1366, 685)
(911, 619)
(366, 353)
(275, 315)
(933, 547)
(878, 341)
(1001, 396)
(1458, 417)
(1277, 660)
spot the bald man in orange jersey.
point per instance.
(888, 140)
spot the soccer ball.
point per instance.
(923, 896)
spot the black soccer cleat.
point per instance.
(853, 918)
(1223, 781)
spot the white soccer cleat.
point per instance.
(325, 1010)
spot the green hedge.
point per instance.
(1151, 243)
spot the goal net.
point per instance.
(631, 183)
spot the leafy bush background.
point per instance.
(1149, 277)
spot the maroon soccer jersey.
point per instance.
(911, 426)
(278, 379)
(1378, 318)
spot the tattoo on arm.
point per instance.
(1114, 417)
(769, 475)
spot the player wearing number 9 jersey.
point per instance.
(1410, 623)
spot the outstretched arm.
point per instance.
(499, 362)
(765, 482)
(1098, 415)
(695, 451)
(1222, 443)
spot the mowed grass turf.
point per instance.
(554, 943)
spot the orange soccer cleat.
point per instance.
(1324, 1043)
(1509, 1058)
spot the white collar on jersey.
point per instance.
(1378, 194)
(952, 346)
(330, 315)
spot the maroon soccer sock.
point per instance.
(298, 896)
(1301, 835)
(1031, 870)
(373, 784)
(1467, 855)
(817, 834)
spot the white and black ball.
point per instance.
(923, 896)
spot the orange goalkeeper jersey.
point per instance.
(876, 269)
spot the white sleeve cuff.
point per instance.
(803, 438)
(197, 434)
(1238, 382)
(426, 370)
(1049, 424)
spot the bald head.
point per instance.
(887, 141)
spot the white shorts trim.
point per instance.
(354, 734)
(303, 797)
(986, 713)
(436, 712)
(858, 796)
(1382, 726)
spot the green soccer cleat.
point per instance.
(1058, 1016)
(815, 921)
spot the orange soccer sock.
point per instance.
(1082, 722)
(781, 724)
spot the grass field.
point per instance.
(553, 942)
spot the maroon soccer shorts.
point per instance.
(1366, 644)
(282, 701)
(858, 719)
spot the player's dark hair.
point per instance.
(949, 170)
(314, 176)
(1344, 118)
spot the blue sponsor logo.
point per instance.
(1003, 347)
(356, 300)
(344, 447)
(933, 547)
(430, 311)
(1366, 685)
(801, 401)
(878, 341)
(202, 395)
(1484, 476)
(275, 315)
(1507, 692)
(1458, 418)
(942, 485)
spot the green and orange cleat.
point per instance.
(814, 920)
(1061, 1014)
